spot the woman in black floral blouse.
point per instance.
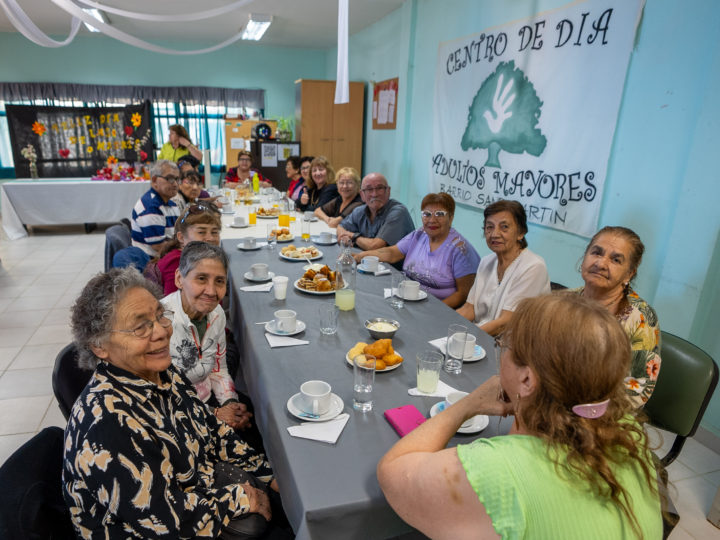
(140, 448)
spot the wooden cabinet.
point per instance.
(326, 129)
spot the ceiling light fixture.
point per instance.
(99, 15)
(256, 26)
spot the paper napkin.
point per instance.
(388, 293)
(283, 341)
(440, 344)
(265, 287)
(382, 270)
(328, 432)
(442, 391)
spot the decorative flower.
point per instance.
(653, 368)
(632, 384)
(136, 119)
(128, 130)
(143, 155)
(112, 160)
(38, 128)
(29, 153)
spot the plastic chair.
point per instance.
(68, 379)
(117, 237)
(31, 499)
(687, 380)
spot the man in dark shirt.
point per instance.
(380, 222)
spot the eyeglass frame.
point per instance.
(375, 189)
(198, 208)
(426, 214)
(149, 325)
(172, 179)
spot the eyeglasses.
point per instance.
(378, 189)
(195, 209)
(145, 329)
(244, 159)
(437, 213)
(346, 183)
(171, 179)
(191, 178)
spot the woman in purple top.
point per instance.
(436, 255)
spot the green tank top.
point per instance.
(527, 497)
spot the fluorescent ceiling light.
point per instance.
(256, 26)
(98, 15)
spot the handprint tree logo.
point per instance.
(504, 115)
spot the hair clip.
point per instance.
(591, 410)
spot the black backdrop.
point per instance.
(77, 141)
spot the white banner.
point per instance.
(527, 111)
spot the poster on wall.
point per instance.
(527, 111)
(77, 141)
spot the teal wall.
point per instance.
(662, 176)
(97, 59)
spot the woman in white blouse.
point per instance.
(509, 274)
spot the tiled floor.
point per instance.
(39, 279)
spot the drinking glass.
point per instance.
(271, 236)
(455, 348)
(252, 215)
(328, 316)
(363, 378)
(280, 285)
(429, 363)
(396, 293)
(305, 230)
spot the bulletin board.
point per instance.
(237, 136)
(384, 105)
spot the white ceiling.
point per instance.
(296, 23)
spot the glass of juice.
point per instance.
(252, 215)
(429, 363)
(305, 230)
(345, 299)
(284, 220)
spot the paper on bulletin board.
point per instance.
(385, 104)
(287, 150)
(237, 143)
(269, 155)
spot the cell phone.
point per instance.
(404, 419)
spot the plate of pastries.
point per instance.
(268, 213)
(323, 281)
(283, 235)
(294, 253)
(386, 358)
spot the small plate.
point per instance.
(391, 368)
(479, 355)
(317, 293)
(266, 217)
(258, 245)
(364, 270)
(317, 240)
(238, 226)
(311, 220)
(286, 240)
(301, 259)
(479, 422)
(228, 211)
(248, 275)
(422, 295)
(336, 407)
(299, 327)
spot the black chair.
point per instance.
(68, 380)
(687, 380)
(31, 501)
(557, 286)
(117, 237)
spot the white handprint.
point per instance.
(500, 106)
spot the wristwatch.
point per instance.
(355, 237)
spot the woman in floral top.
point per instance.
(141, 450)
(610, 262)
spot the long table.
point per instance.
(331, 491)
(61, 201)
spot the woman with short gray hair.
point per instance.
(141, 451)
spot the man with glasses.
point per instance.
(154, 215)
(380, 222)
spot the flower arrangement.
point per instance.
(118, 171)
(30, 154)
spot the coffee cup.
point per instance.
(309, 215)
(325, 236)
(410, 289)
(285, 320)
(259, 270)
(239, 221)
(454, 397)
(370, 263)
(462, 345)
(315, 397)
(249, 243)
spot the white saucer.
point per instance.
(258, 245)
(229, 211)
(479, 355)
(312, 219)
(422, 295)
(479, 422)
(248, 275)
(316, 239)
(336, 407)
(299, 327)
(238, 226)
(364, 270)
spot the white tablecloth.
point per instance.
(62, 201)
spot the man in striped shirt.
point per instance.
(154, 215)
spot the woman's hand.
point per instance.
(235, 415)
(333, 222)
(259, 501)
(488, 398)
(184, 142)
(304, 198)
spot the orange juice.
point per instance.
(284, 220)
(252, 218)
(292, 219)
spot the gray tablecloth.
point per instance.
(66, 201)
(331, 491)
